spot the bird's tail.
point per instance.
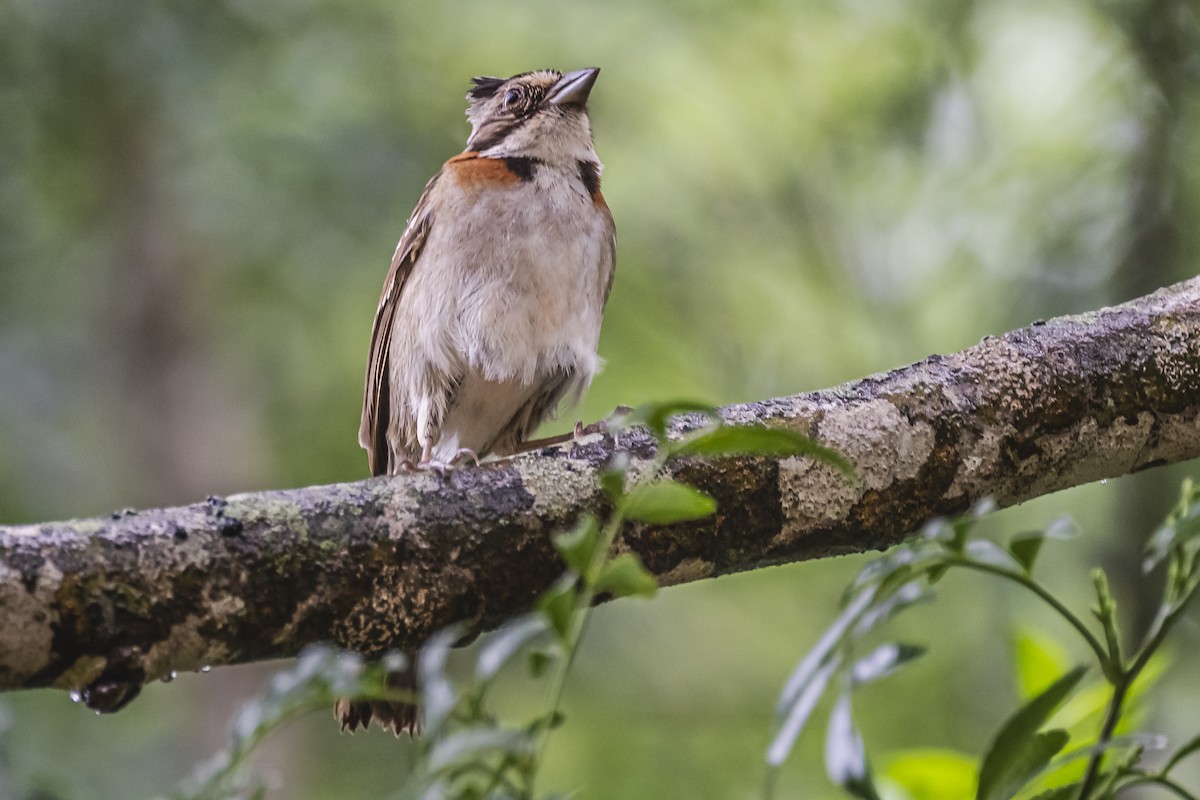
(398, 716)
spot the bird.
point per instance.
(490, 313)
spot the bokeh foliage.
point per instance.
(198, 202)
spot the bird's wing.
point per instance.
(608, 259)
(372, 431)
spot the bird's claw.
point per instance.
(581, 430)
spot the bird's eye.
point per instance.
(511, 97)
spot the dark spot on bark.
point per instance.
(593, 452)
(179, 533)
(28, 563)
(748, 503)
(639, 443)
(1018, 449)
(116, 687)
(886, 517)
(229, 526)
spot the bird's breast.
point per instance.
(528, 251)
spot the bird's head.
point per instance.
(540, 114)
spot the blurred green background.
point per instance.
(199, 200)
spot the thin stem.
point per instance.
(1066, 613)
(583, 604)
(1120, 678)
(1164, 782)
(579, 621)
(1163, 622)
(498, 774)
(1112, 716)
(770, 781)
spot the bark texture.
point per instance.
(100, 606)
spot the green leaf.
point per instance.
(1181, 526)
(655, 415)
(546, 722)
(1040, 660)
(933, 773)
(982, 508)
(476, 744)
(985, 551)
(732, 440)
(889, 605)
(936, 573)
(904, 561)
(952, 533)
(1136, 706)
(1158, 546)
(626, 576)
(1070, 767)
(845, 756)
(1019, 752)
(539, 661)
(1082, 711)
(1068, 792)
(578, 546)
(502, 645)
(558, 605)
(1035, 754)
(666, 502)
(438, 697)
(613, 483)
(1025, 548)
(1062, 529)
(795, 714)
(821, 653)
(1133, 746)
(960, 531)
(883, 661)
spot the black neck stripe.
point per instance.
(589, 172)
(521, 166)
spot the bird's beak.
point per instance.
(573, 88)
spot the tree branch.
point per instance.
(103, 605)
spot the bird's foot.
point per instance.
(578, 432)
(431, 464)
(581, 430)
(602, 425)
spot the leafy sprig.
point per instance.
(465, 752)
(1034, 749)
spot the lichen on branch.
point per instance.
(103, 605)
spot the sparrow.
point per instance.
(490, 313)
